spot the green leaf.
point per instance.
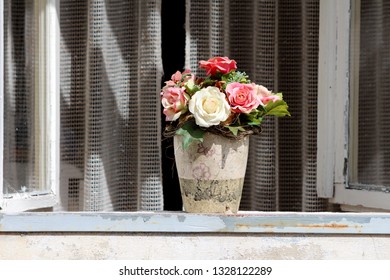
(278, 108)
(254, 123)
(280, 95)
(208, 82)
(235, 129)
(236, 76)
(191, 88)
(190, 133)
(254, 117)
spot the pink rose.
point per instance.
(242, 97)
(174, 100)
(217, 65)
(272, 98)
(265, 95)
(176, 77)
(187, 71)
(170, 83)
(189, 78)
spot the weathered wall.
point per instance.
(192, 246)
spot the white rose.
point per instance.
(209, 107)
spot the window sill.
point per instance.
(180, 222)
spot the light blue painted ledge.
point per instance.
(179, 222)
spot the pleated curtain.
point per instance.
(18, 147)
(110, 78)
(111, 71)
(276, 44)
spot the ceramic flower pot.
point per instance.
(211, 173)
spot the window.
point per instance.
(136, 182)
(353, 94)
(30, 108)
(85, 131)
(99, 71)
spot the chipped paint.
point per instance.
(178, 235)
(244, 222)
(331, 225)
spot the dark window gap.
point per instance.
(173, 54)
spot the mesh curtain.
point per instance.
(276, 44)
(19, 122)
(110, 109)
(110, 105)
(374, 94)
(110, 78)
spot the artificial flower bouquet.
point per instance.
(225, 102)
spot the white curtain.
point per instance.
(276, 44)
(19, 147)
(111, 73)
(110, 79)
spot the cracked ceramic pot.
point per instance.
(211, 173)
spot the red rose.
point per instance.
(217, 65)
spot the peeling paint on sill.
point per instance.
(180, 222)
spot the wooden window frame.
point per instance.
(337, 109)
(330, 164)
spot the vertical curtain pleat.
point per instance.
(290, 79)
(73, 63)
(148, 120)
(198, 35)
(310, 35)
(260, 190)
(276, 44)
(19, 141)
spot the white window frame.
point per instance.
(169, 222)
(48, 101)
(339, 22)
(334, 99)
